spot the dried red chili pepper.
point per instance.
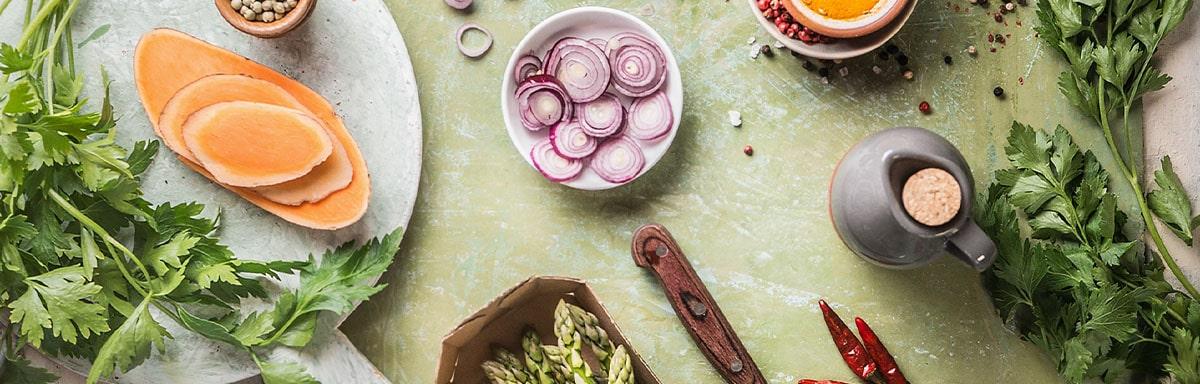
(811, 381)
(875, 349)
(851, 349)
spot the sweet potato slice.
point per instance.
(248, 144)
(166, 60)
(327, 178)
(211, 90)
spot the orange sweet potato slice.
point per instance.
(248, 144)
(329, 177)
(166, 61)
(211, 90)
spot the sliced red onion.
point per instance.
(542, 102)
(638, 65)
(554, 167)
(458, 4)
(601, 43)
(650, 117)
(527, 65)
(602, 117)
(473, 52)
(570, 140)
(581, 67)
(618, 160)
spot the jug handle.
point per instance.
(972, 246)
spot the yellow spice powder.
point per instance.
(841, 9)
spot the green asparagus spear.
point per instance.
(620, 369)
(589, 327)
(512, 363)
(572, 361)
(498, 374)
(535, 360)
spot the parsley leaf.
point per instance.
(284, 373)
(1170, 203)
(19, 371)
(62, 300)
(129, 344)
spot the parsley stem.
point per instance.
(1132, 177)
(96, 228)
(46, 10)
(296, 311)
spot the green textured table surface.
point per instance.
(756, 228)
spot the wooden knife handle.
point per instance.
(656, 250)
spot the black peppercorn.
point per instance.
(809, 66)
(766, 51)
(902, 59)
(892, 49)
(999, 92)
(824, 72)
(883, 55)
(948, 60)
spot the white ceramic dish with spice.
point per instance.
(844, 48)
(588, 23)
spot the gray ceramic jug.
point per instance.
(866, 208)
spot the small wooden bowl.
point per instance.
(271, 30)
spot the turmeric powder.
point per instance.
(841, 9)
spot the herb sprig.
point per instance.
(1070, 280)
(1109, 46)
(85, 259)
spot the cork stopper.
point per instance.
(932, 197)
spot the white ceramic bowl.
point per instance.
(587, 23)
(842, 48)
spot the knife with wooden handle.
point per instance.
(656, 250)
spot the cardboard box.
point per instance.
(502, 321)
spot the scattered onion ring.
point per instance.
(458, 4)
(650, 118)
(473, 53)
(618, 160)
(543, 102)
(581, 67)
(602, 117)
(527, 65)
(638, 65)
(554, 167)
(571, 141)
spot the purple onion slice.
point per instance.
(639, 67)
(602, 117)
(601, 43)
(477, 51)
(651, 117)
(618, 160)
(581, 67)
(570, 140)
(542, 102)
(554, 167)
(458, 4)
(527, 65)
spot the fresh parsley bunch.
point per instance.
(1109, 46)
(1070, 280)
(84, 258)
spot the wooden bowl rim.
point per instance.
(277, 28)
(846, 33)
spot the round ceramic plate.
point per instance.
(588, 23)
(842, 48)
(369, 80)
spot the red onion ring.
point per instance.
(651, 117)
(543, 102)
(638, 65)
(554, 167)
(602, 117)
(601, 43)
(618, 160)
(472, 53)
(570, 140)
(527, 65)
(458, 4)
(581, 67)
